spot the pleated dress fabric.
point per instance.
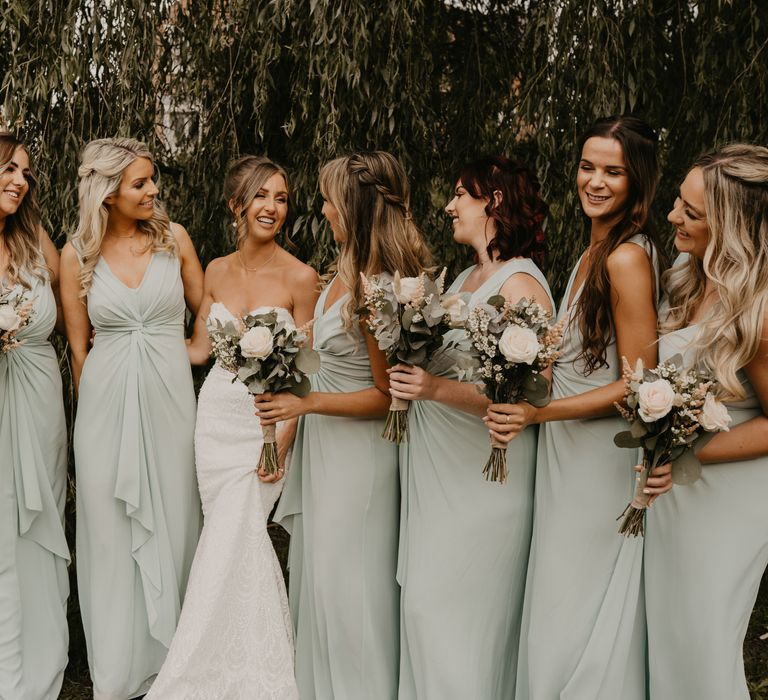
(583, 632)
(341, 505)
(138, 508)
(464, 541)
(33, 475)
(705, 553)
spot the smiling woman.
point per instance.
(583, 634)
(125, 275)
(234, 639)
(33, 444)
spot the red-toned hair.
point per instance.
(519, 216)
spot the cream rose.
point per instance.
(256, 342)
(519, 344)
(714, 415)
(656, 399)
(456, 308)
(9, 319)
(406, 288)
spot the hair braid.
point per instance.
(358, 166)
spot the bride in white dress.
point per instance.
(234, 638)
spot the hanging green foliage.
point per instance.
(436, 82)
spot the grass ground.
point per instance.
(77, 685)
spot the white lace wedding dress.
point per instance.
(234, 640)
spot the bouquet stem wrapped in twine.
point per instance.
(396, 427)
(633, 523)
(496, 466)
(268, 457)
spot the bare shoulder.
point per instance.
(520, 285)
(43, 237)
(219, 267)
(627, 259)
(303, 273)
(300, 272)
(178, 231)
(69, 254)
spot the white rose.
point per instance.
(455, 307)
(256, 342)
(519, 344)
(9, 319)
(218, 313)
(406, 288)
(714, 415)
(656, 399)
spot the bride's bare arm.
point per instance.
(199, 346)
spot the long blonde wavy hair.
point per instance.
(22, 229)
(736, 261)
(244, 178)
(102, 165)
(371, 193)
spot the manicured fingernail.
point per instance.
(646, 491)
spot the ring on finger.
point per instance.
(507, 419)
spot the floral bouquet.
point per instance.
(266, 354)
(668, 409)
(408, 316)
(511, 344)
(15, 313)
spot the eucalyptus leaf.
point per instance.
(307, 360)
(626, 439)
(686, 469)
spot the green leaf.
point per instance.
(307, 361)
(497, 301)
(686, 469)
(626, 439)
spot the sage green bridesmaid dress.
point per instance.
(583, 634)
(138, 508)
(33, 476)
(341, 505)
(464, 541)
(706, 549)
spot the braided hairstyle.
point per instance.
(370, 191)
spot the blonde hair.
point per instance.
(102, 165)
(371, 194)
(244, 178)
(736, 261)
(22, 229)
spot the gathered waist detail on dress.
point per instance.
(164, 329)
(355, 368)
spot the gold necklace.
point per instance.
(258, 267)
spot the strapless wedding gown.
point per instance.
(234, 639)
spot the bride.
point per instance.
(234, 638)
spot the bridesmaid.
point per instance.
(464, 540)
(341, 501)
(126, 274)
(583, 632)
(707, 543)
(33, 443)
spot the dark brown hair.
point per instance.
(519, 216)
(593, 307)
